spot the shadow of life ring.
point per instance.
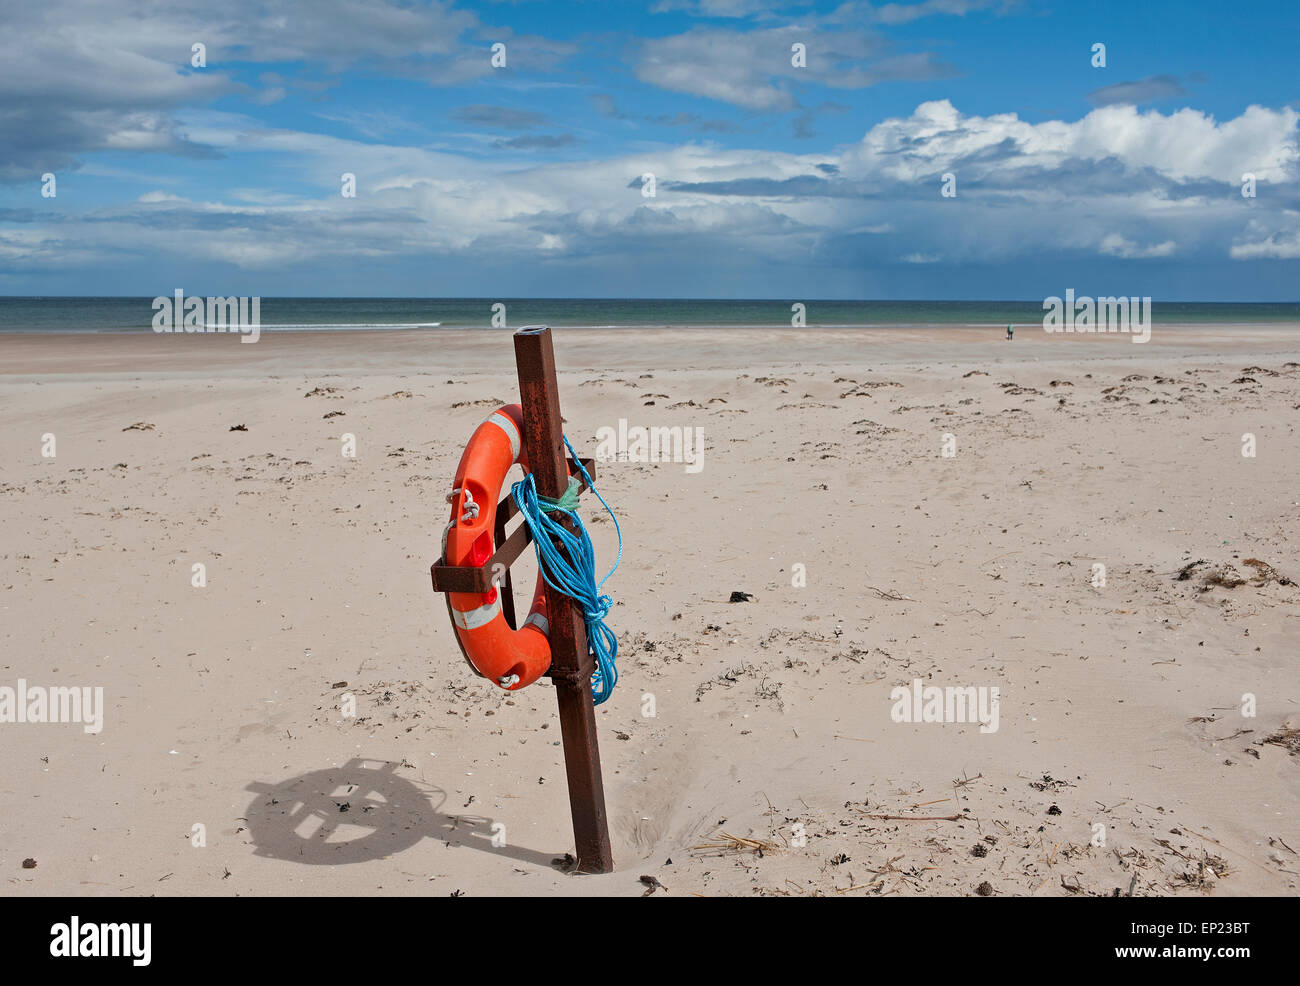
(354, 813)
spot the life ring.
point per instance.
(510, 658)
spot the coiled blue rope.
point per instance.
(574, 575)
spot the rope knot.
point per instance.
(568, 500)
(572, 570)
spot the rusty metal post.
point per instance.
(571, 663)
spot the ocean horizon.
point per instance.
(130, 314)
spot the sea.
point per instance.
(129, 314)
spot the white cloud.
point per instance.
(903, 13)
(1277, 247)
(753, 69)
(1117, 246)
(150, 198)
(1182, 145)
(717, 8)
(1259, 242)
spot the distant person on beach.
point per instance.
(1010, 331)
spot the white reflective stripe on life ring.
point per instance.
(475, 618)
(505, 424)
(539, 621)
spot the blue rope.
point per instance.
(574, 575)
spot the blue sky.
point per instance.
(820, 180)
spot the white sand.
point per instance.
(823, 451)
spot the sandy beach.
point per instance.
(902, 505)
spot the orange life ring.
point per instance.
(510, 658)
